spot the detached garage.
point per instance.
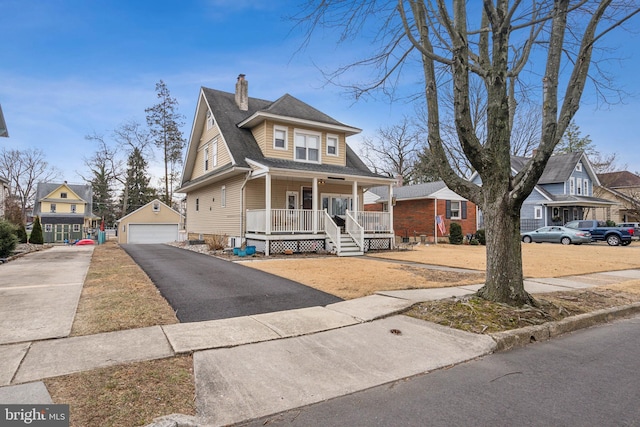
(155, 222)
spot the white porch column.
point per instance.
(267, 202)
(314, 204)
(390, 209)
(354, 197)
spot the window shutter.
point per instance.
(448, 209)
(464, 209)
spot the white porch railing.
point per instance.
(355, 230)
(374, 222)
(306, 221)
(288, 221)
(332, 230)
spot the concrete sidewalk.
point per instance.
(252, 366)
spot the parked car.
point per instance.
(614, 236)
(557, 234)
(634, 225)
(84, 242)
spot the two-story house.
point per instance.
(564, 192)
(64, 211)
(278, 175)
(622, 187)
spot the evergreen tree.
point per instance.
(455, 234)
(103, 203)
(137, 190)
(21, 233)
(164, 127)
(8, 239)
(36, 234)
(572, 142)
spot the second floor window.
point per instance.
(280, 138)
(73, 208)
(307, 147)
(53, 208)
(206, 158)
(332, 145)
(214, 152)
(197, 204)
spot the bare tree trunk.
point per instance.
(504, 279)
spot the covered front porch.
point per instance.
(314, 214)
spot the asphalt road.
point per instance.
(200, 287)
(588, 378)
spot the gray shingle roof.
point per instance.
(619, 179)
(242, 144)
(558, 169)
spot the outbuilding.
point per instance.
(154, 222)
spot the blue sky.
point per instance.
(69, 68)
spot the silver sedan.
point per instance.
(557, 234)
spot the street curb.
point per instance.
(521, 337)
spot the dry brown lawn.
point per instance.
(356, 277)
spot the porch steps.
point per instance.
(348, 247)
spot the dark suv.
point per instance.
(634, 225)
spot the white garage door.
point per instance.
(153, 233)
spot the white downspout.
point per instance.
(267, 208)
(314, 203)
(390, 209)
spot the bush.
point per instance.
(36, 234)
(8, 239)
(216, 242)
(474, 242)
(611, 223)
(455, 234)
(481, 236)
(21, 233)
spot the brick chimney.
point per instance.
(242, 93)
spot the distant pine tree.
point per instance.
(21, 234)
(36, 234)
(8, 239)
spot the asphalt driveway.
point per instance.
(200, 287)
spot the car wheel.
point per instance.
(565, 241)
(527, 239)
(613, 240)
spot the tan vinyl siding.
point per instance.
(147, 215)
(264, 132)
(254, 194)
(207, 139)
(212, 217)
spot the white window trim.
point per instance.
(76, 228)
(579, 186)
(572, 186)
(214, 153)
(296, 195)
(210, 120)
(223, 196)
(585, 187)
(205, 166)
(48, 228)
(459, 216)
(297, 132)
(537, 212)
(337, 138)
(579, 167)
(286, 137)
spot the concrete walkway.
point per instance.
(252, 366)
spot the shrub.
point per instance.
(216, 242)
(21, 233)
(36, 234)
(611, 223)
(474, 242)
(481, 236)
(8, 238)
(455, 234)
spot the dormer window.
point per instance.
(279, 138)
(332, 145)
(210, 120)
(63, 195)
(307, 146)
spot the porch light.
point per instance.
(321, 181)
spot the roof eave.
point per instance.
(261, 116)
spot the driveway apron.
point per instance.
(200, 287)
(39, 293)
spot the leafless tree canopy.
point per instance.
(511, 48)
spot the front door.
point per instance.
(292, 200)
(565, 216)
(307, 198)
